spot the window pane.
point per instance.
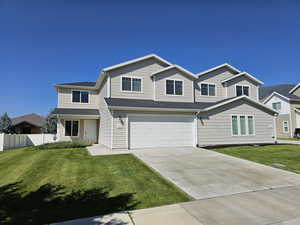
(84, 97)
(170, 87)
(212, 90)
(246, 91)
(286, 126)
(178, 87)
(68, 125)
(235, 125)
(126, 84)
(239, 90)
(204, 89)
(250, 125)
(75, 96)
(243, 125)
(75, 128)
(279, 106)
(274, 105)
(136, 84)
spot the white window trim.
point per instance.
(242, 85)
(80, 96)
(239, 125)
(174, 87)
(132, 77)
(216, 94)
(78, 133)
(288, 127)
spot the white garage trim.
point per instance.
(186, 121)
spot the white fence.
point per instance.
(10, 141)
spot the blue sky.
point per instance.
(48, 42)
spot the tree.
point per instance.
(5, 124)
(51, 123)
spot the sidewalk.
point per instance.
(288, 142)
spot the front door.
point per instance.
(90, 130)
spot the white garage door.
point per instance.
(147, 132)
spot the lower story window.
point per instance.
(286, 127)
(71, 128)
(242, 125)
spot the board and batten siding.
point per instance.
(105, 128)
(253, 87)
(215, 77)
(214, 127)
(143, 70)
(65, 99)
(173, 74)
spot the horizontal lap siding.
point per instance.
(160, 87)
(215, 77)
(215, 127)
(120, 126)
(143, 70)
(242, 81)
(279, 125)
(105, 119)
(65, 99)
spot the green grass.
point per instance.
(288, 155)
(44, 186)
(289, 139)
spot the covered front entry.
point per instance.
(161, 131)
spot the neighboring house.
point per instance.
(28, 124)
(149, 102)
(285, 99)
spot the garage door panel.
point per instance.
(146, 132)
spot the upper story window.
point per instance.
(132, 84)
(80, 96)
(208, 89)
(276, 106)
(242, 90)
(174, 87)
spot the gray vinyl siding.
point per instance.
(214, 127)
(215, 77)
(105, 128)
(297, 92)
(142, 69)
(279, 125)
(65, 99)
(160, 87)
(253, 87)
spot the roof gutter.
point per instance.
(151, 109)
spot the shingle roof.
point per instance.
(71, 111)
(33, 119)
(121, 102)
(84, 84)
(282, 89)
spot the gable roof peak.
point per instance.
(218, 67)
(294, 88)
(190, 74)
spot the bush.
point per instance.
(64, 144)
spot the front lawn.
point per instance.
(44, 186)
(288, 155)
(289, 139)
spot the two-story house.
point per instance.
(285, 99)
(150, 102)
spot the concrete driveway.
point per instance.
(205, 174)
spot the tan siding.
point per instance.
(61, 130)
(215, 127)
(297, 92)
(242, 81)
(160, 87)
(279, 125)
(142, 69)
(120, 126)
(215, 77)
(65, 99)
(293, 117)
(105, 129)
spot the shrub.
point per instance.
(64, 144)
